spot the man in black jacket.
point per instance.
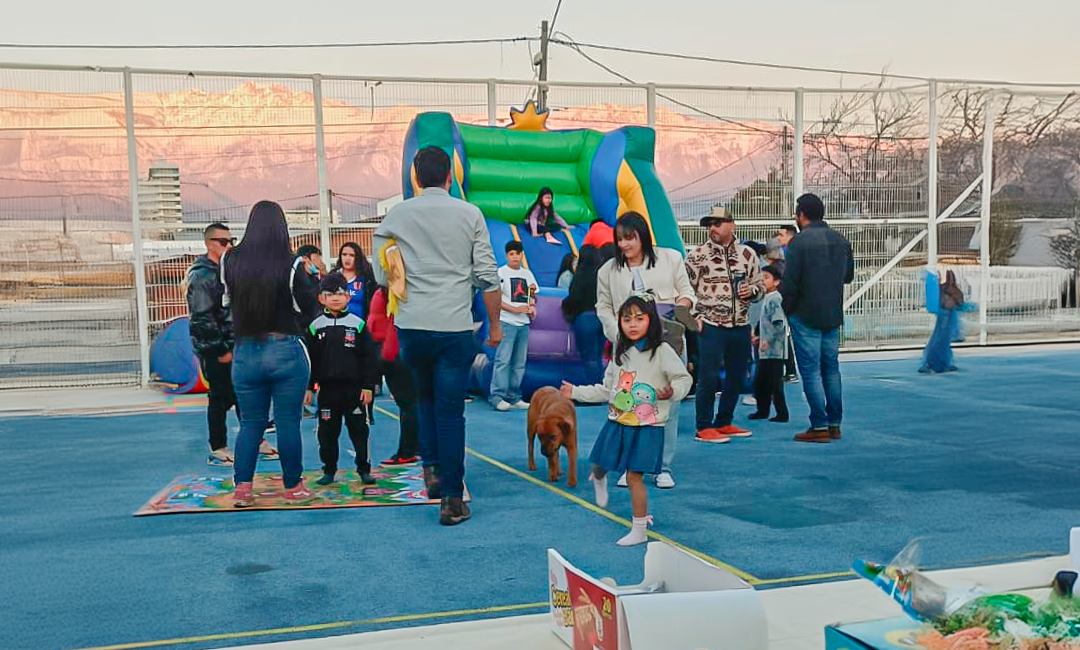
(819, 264)
(212, 338)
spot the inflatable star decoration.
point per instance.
(528, 119)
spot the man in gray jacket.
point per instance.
(446, 250)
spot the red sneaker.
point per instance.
(732, 431)
(401, 461)
(243, 497)
(298, 494)
(711, 435)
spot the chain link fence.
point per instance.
(74, 311)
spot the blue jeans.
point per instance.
(509, 365)
(730, 345)
(589, 340)
(275, 368)
(818, 354)
(440, 363)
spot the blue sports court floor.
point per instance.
(981, 463)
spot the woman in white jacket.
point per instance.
(638, 266)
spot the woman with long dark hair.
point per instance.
(269, 361)
(354, 266)
(542, 218)
(639, 267)
(579, 308)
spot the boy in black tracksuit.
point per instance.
(345, 365)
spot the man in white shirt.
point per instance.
(518, 309)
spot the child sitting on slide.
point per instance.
(542, 218)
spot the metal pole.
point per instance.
(136, 234)
(543, 72)
(984, 212)
(320, 156)
(797, 146)
(650, 104)
(492, 103)
(932, 183)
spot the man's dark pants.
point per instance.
(440, 363)
(220, 400)
(730, 345)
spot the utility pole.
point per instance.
(543, 75)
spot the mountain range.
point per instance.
(65, 153)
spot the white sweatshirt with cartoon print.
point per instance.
(630, 388)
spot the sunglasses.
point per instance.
(224, 241)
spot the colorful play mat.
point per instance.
(395, 486)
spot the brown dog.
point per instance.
(552, 417)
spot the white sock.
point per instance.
(599, 490)
(638, 533)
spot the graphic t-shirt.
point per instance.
(515, 285)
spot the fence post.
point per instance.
(136, 234)
(797, 147)
(320, 155)
(932, 183)
(492, 103)
(989, 115)
(650, 104)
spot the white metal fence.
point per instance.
(87, 279)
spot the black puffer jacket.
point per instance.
(211, 322)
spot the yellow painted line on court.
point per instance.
(319, 627)
(806, 578)
(592, 507)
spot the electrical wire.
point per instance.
(266, 46)
(803, 68)
(572, 45)
(556, 16)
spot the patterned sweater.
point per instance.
(711, 268)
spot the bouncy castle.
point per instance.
(593, 175)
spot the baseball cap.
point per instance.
(718, 214)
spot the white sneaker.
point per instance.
(749, 400)
(664, 481)
(521, 405)
(220, 458)
(600, 494)
(503, 405)
(622, 480)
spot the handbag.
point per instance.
(951, 296)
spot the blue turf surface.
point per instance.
(981, 463)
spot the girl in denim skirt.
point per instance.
(643, 386)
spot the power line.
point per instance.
(754, 64)
(556, 16)
(803, 68)
(574, 46)
(265, 46)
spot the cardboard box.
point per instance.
(683, 603)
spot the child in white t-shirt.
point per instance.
(518, 309)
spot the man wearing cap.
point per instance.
(819, 264)
(726, 277)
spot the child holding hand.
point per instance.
(643, 386)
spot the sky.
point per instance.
(1013, 40)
